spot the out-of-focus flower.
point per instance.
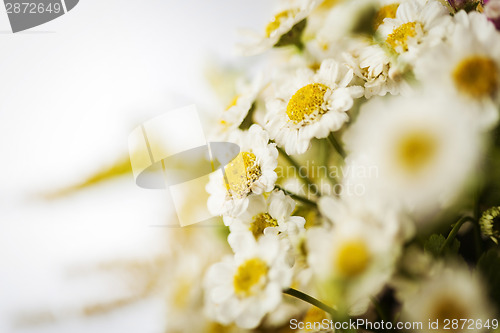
(292, 15)
(310, 105)
(416, 27)
(490, 224)
(452, 293)
(467, 67)
(268, 216)
(358, 254)
(381, 73)
(423, 148)
(492, 11)
(251, 172)
(244, 288)
(231, 118)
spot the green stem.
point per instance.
(297, 197)
(311, 300)
(454, 231)
(296, 165)
(336, 145)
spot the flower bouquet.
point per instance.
(366, 193)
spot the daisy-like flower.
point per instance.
(294, 14)
(381, 73)
(244, 288)
(357, 254)
(452, 293)
(252, 171)
(416, 26)
(427, 152)
(467, 67)
(268, 216)
(238, 109)
(311, 105)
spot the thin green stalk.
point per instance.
(297, 197)
(454, 231)
(336, 145)
(296, 165)
(311, 300)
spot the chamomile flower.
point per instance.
(311, 105)
(268, 216)
(357, 254)
(452, 293)
(252, 171)
(381, 73)
(416, 26)
(245, 287)
(467, 67)
(232, 117)
(424, 150)
(292, 14)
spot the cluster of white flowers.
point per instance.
(409, 88)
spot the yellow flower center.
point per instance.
(448, 307)
(307, 102)
(415, 150)
(313, 315)
(477, 76)
(248, 275)
(278, 20)
(241, 173)
(387, 11)
(261, 222)
(399, 36)
(353, 258)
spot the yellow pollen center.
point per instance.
(313, 315)
(448, 308)
(415, 151)
(278, 19)
(353, 258)
(261, 222)
(477, 77)
(387, 11)
(307, 102)
(248, 275)
(399, 36)
(241, 173)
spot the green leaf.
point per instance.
(489, 266)
(434, 244)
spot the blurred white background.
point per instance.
(70, 92)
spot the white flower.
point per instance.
(424, 151)
(452, 293)
(310, 105)
(268, 216)
(358, 253)
(381, 72)
(467, 67)
(293, 13)
(251, 172)
(237, 111)
(244, 288)
(416, 27)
